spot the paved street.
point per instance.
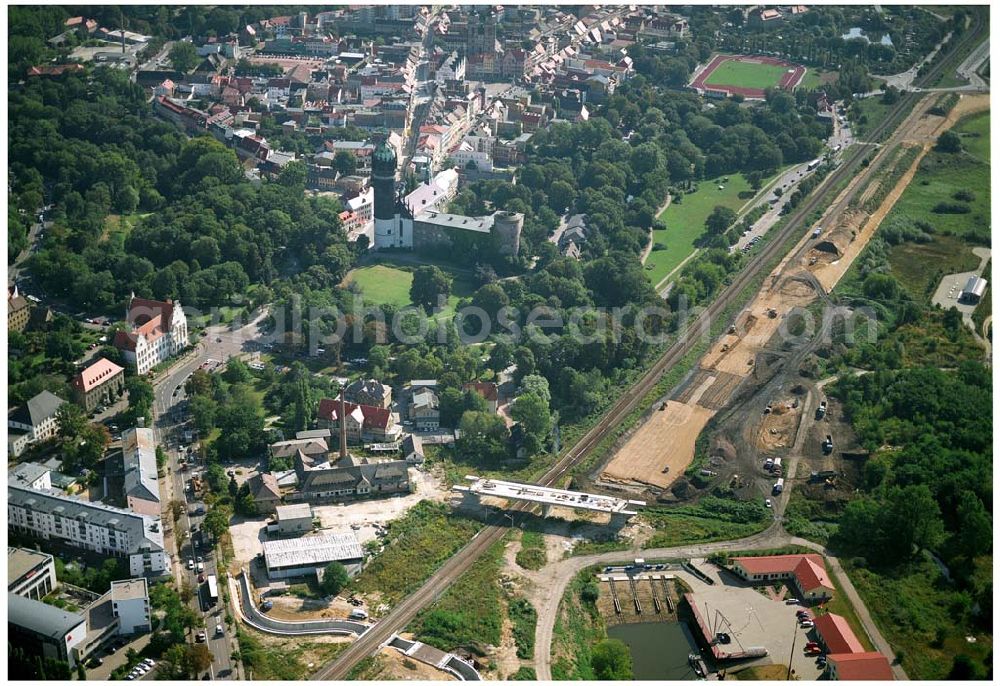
(170, 424)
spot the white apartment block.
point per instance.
(130, 604)
(91, 526)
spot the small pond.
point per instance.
(659, 649)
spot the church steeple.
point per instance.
(384, 180)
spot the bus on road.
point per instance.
(213, 589)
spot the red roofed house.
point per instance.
(807, 572)
(488, 390)
(836, 636)
(364, 422)
(158, 331)
(54, 69)
(859, 667)
(98, 384)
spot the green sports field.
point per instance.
(746, 75)
(387, 285)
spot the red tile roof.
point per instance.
(487, 389)
(142, 311)
(837, 634)
(862, 667)
(96, 374)
(329, 410)
(808, 569)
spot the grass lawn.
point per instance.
(975, 133)
(747, 75)
(685, 222)
(385, 285)
(815, 78)
(867, 114)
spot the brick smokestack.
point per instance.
(343, 427)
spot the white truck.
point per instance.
(779, 486)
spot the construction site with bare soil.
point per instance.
(752, 390)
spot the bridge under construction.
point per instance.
(619, 510)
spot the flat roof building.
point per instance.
(30, 574)
(130, 604)
(306, 555)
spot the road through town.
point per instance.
(219, 343)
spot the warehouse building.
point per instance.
(307, 555)
(974, 290)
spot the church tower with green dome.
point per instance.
(393, 225)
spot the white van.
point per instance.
(358, 613)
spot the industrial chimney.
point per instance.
(343, 426)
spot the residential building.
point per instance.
(265, 492)
(294, 519)
(807, 572)
(130, 605)
(142, 486)
(102, 383)
(30, 573)
(33, 422)
(309, 555)
(369, 392)
(413, 449)
(425, 410)
(89, 525)
(31, 475)
(364, 422)
(308, 446)
(489, 391)
(18, 311)
(157, 332)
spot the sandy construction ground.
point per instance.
(666, 439)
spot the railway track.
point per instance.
(461, 561)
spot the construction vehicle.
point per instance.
(821, 410)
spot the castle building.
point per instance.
(399, 224)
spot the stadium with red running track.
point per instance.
(793, 75)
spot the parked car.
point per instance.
(191, 564)
(266, 605)
(806, 624)
(200, 638)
